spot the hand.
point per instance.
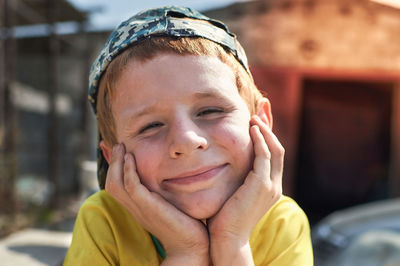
(185, 239)
(231, 227)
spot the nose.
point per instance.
(185, 138)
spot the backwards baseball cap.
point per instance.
(170, 21)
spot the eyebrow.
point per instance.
(215, 94)
(144, 111)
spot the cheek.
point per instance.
(147, 161)
(236, 139)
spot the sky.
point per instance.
(109, 13)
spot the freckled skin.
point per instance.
(182, 137)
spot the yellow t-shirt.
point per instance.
(106, 234)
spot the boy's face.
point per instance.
(188, 128)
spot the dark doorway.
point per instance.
(344, 145)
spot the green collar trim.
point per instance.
(159, 247)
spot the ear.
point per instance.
(264, 112)
(107, 151)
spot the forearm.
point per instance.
(231, 253)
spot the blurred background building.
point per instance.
(331, 69)
(44, 125)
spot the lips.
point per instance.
(202, 175)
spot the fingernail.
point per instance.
(126, 157)
(253, 119)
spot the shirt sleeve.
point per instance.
(106, 234)
(93, 242)
(282, 237)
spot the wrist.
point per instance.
(232, 238)
(231, 252)
(190, 254)
(187, 259)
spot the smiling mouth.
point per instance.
(191, 178)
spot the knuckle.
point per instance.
(281, 151)
(268, 156)
(266, 153)
(277, 193)
(128, 186)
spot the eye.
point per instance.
(209, 111)
(150, 126)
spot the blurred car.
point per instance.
(365, 235)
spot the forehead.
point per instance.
(171, 77)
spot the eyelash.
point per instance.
(210, 111)
(150, 126)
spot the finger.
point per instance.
(115, 170)
(131, 193)
(262, 154)
(145, 205)
(131, 178)
(140, 194)
(275, 147)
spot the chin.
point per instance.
(204, 204)
(201, 215)
(204, 210)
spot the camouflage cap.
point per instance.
(163, 21)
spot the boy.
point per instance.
(190, 167)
